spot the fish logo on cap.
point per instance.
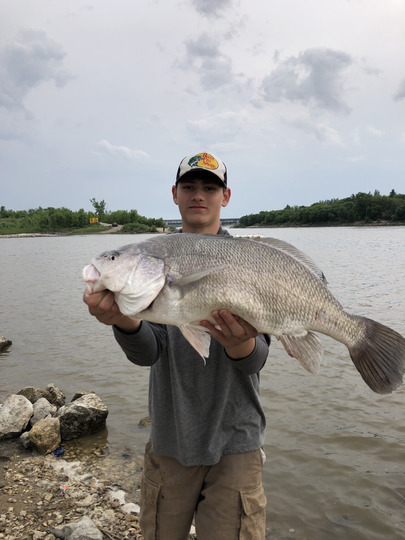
(206, 161)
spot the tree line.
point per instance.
(47, 220)
(363, 207)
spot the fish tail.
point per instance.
(379, 356)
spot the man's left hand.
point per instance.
(235, 334)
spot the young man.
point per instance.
(204, 457)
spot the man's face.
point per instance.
(200, 201)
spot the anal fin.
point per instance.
(306, 348)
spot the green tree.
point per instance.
(99, 207)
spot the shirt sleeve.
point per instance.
(144, 346)
(257, 358)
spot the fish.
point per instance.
(180, 279)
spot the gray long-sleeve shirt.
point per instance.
(198, 412)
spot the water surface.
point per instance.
(335, 450)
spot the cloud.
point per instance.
(226, 126)
(371, 130)
(210, 7)
(205, 58)
(321, 132)
(123, 152)
(31, 59)
(355, 159)
(204, 46)
(312, 78)
(400, 93)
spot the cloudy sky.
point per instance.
(303, 100)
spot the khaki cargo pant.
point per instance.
(227, 499)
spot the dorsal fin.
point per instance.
(294, 252)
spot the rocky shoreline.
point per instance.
(45, 497)
(51, 483)
(58, 477)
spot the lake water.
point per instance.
(335, 450)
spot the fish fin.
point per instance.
(198, 337)
(291, 250)
(379, 357)
(194, 277)
(306, 348)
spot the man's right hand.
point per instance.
(103, 306)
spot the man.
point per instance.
(204, 457)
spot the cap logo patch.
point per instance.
(205, 161)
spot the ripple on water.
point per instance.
(335, 465)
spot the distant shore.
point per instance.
(31, 235)
(308, 226)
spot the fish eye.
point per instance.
(111, 256)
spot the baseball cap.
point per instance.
(202, 163)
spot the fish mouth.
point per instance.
(91, 277)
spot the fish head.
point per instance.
(135, 278)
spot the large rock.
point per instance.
(45, 435)
(83, 416)
(42, 409)
(81, 393)
(32, 393)
(57, 396)
(81, 529)
(14, 416)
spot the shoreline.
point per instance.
(295, 226)
(31, 235)
(39, 493)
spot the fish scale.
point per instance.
(180, 279)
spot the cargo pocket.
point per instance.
(253, 519)
(150, 492)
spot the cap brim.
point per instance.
(204, 174)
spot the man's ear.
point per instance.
(174, 193)
(226, 197)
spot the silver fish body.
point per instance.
(179, 279)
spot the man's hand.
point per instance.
(236, 335)
(102, 305)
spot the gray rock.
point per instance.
(42, 409)
(4, 343)
(83, 416)
(32, 393)
(144, 422)
(38, 535)
(81, 393)
(58, 397)
(45, 435)
(81, 529)
(25, 440)
(14, 416)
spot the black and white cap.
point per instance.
(202, 163)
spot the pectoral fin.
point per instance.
(306, 348)
(184, 281)
(198, 337)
